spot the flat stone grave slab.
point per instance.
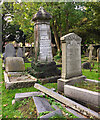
(18, 80)
(42, 105)
(85, 96)
(56, 112)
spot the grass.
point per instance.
(8, 95)
(27, 108)
(0, 88)
(9, 111)
(89, 86)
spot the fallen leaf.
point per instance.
(5, 105)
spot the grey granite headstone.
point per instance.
(14, 64)
(71, 58)
(90, 52)
(9, 51)
(19, 52)
(98, 55)
(42, 36)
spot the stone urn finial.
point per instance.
(41, 8)
(41, 15)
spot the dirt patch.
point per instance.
(89, 86)
(28, 110)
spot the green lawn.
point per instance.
(0, 88)
(10, 111)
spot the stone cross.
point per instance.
(71, 59)
(42, 36)
(98, 55)
(19, 52)
(90, 52)
(9, 51)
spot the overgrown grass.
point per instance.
(27, 65)
(0, 88)
(9, 111)
(88, 85)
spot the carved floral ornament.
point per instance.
(70, 37)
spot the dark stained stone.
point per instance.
(41, 15)
(86, 65)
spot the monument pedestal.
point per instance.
(61, 82)
(45, 70)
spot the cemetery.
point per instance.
(37, 84)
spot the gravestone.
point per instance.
(43, 63)
(71, 59)
(23, 50)
(14, 64)
(19, 52)
(98, 55)
(90, 52)
(9, 51)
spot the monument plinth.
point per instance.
(71, 60)
(43, 63)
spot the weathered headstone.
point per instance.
(98, 55)
(9, 51)
(19, 52)
(90, 52)
(71, 59)
(14, 64)
(23, 51)
(42, 36)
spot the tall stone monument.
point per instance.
(42, 43)
(42, 36)
(71, 60)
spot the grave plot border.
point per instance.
(18, 84)
(86, 96)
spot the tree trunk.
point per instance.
(56, 36)
(67, 23)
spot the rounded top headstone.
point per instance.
(41, 15)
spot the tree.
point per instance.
(10, 32)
